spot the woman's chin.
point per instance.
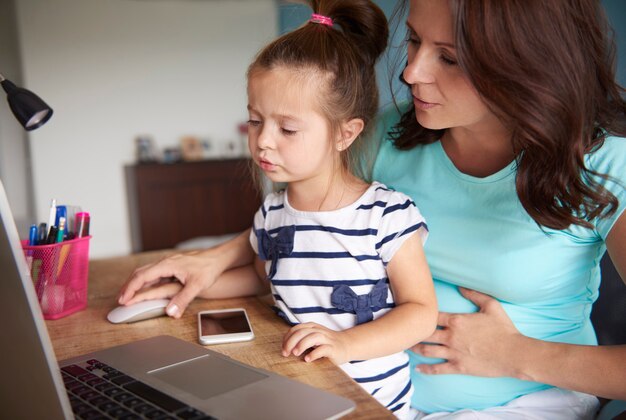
(428, 123)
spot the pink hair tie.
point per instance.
(324, 20)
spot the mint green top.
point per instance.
(482, 238)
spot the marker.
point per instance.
(61, 212)
(52, 235)
(42, 233)
(70, 221)
(82, 224)
(32, 240)
(61, 230)
(32, 235)
(53, 214)
(65, 249)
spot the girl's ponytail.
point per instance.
(361, 21)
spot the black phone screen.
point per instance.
(223, 323)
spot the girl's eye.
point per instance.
(254, 123)
(288, 132)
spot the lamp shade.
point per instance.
(29, 109)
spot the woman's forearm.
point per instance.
(596, 370)
(231, 254)
(237, 282)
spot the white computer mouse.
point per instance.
(138, 311)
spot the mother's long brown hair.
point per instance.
(547, 68)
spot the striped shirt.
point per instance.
(314, 253)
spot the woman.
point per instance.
(512, 147)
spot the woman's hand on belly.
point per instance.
(483, 343)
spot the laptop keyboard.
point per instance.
(98, 391)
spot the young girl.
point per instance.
(344, 258)
(339, 253)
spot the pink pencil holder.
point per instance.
(59, 272)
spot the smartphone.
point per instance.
(224, 326)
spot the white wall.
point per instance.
(113, 69)
(14, 156)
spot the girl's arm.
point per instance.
(488, 344)
(413, 319)
(196, 271)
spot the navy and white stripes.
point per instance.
(351, 247)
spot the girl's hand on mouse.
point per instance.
(322, 341)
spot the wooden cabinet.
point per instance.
(171, 203)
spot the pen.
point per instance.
(53, 214)
(65, 249)
(82, 224)
(32, 235)
(70, 221)
(32, 240)
(52, 235)
(61, 230)
(42, 232)
(61, 212)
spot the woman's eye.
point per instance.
(288, 132)
(411, 39)
(448, 61)
(254, 123)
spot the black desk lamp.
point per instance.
(29, 109)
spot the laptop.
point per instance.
(159, 377)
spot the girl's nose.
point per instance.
(265, 140)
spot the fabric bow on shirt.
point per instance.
(273, 247)
(344, 298)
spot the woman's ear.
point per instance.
(349, 131)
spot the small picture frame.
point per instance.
(145, 149)
(191, 148)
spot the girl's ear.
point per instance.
(350, 130)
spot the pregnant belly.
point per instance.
(433, 393)
(454, 392)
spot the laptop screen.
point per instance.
(31, 384)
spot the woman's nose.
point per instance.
(419, 69)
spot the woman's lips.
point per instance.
(421, 104)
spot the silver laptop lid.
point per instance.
(31, 384)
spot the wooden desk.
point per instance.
(88, 331)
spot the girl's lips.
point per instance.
(421, 104)
(266, 165)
